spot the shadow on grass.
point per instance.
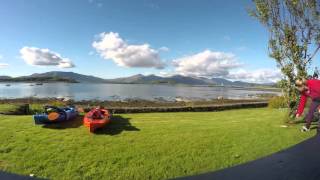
(301, 121)
(67, 124)
(117, 125)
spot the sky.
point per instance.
(118, 38)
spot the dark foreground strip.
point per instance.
(300, 162)
(9, 176)
(190, 108)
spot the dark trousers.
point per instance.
(313, 107)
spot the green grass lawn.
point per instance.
(144, 146)
(7, 107)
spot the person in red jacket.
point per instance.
(308, 88)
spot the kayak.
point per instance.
(96, 118)
(54, 114)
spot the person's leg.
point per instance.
(318, 129)
(318, 109)
(312, 109)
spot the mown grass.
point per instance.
(144, 146)
(7, 107)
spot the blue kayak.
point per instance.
(54, 114)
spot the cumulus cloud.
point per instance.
(207, 64)
(220, 64)
(256, 76)
(3, 65)
(44, 57)
(112, 46)
(165, 49)
(166, 73)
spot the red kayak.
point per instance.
(96, 118)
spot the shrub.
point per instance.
(36, 108)
(39, 107)
(14, 109)
(277, 102)
(57, 103)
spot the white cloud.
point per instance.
(164, 49)
(206, 63)
(112, 46)
(44, 57)
(256, 76)
(166, 74)
(3, 65)
(220, 64)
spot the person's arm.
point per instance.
(302, 103)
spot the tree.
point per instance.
(294, 39)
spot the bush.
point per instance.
(57, 103)
(277, 102)
(14, 109)
(39, 107)
(36, 108)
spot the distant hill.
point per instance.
(53, 76)
(5, 77)
(36, 79)
(70, 75)
(131, 79)
(136, 79)
(152, 79)
(178, 79)
(221, 81)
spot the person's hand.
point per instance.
(298, 115)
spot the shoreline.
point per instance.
(203, 108)
(131, 103)
(136, 106)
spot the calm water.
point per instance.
(81, 91)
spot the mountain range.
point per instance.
(136, 79)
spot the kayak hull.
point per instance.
(66, 114)
(93, 124)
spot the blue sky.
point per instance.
(180, 35)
